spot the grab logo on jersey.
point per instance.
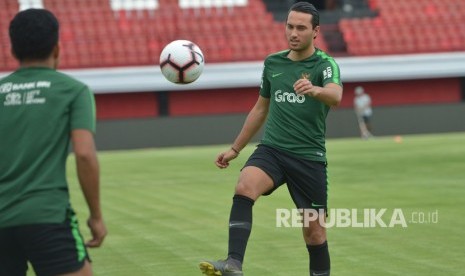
(282, 97)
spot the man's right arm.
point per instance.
(252, 125)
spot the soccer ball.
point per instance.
(181, 61)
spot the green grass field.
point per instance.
(166, 209)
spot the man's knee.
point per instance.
(315, 234)
(253, 182)
(244, 188)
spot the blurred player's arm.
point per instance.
(89, 179)
(252, 125)
(358, 110)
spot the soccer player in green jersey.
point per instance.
(299, 85)
(41, 112)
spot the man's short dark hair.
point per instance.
(33, 34)
(306, 7)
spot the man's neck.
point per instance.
(48, 63)
(301, 55)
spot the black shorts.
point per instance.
(52, 249)
(306, 180)
(366, 119)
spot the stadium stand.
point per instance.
(94, 34)
(106, 33)
(407, 27)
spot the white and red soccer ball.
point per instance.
(181, 61)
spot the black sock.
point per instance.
(240, 226)
(320, 263)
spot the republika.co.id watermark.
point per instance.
(358, 218)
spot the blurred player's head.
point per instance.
(302, 26)
(34, 35)
(359, 90)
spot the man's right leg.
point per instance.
(252, 183)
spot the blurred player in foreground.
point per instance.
(362, 105)
(41, 111)
(298, 88)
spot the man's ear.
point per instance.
(316, 32)
(56, 55)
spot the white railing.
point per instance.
(247, 74)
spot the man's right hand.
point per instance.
(222, 161)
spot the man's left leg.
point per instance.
(317, 246)
(308, 186)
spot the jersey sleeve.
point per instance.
(83, 111)
(265, 83)
(330, 72)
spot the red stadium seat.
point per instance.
(406, 19)
(93, 35)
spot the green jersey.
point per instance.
(38, 109)
(297, 123)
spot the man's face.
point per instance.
(299, 31)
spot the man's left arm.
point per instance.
(330, 94)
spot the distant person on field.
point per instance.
(299, 87)
(364, 112)
(41, 112)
